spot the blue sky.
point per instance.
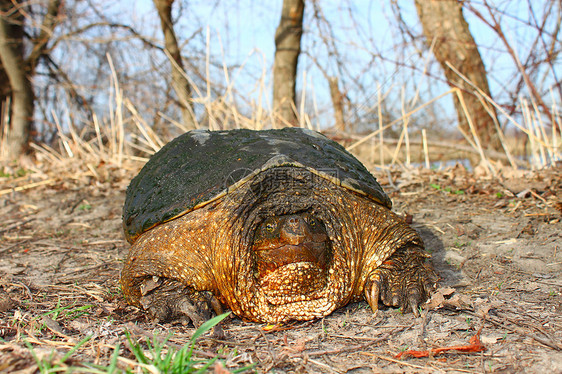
(242, 32)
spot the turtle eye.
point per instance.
(311, 221)
(270, 226)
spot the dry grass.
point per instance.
(125, 140)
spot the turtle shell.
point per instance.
(201, 166)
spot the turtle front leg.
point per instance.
(167, 299)
(148, 282)
(403, 280)
(168, 271)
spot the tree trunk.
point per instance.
(20, 71)
(5, 88)
(179, 81)
(288, 47)
(337, 103)
(443, 21)
(17, 129)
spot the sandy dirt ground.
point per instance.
(496, 244)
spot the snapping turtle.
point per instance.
(277, 225)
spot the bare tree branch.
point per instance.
(179, 81)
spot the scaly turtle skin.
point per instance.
(277, 225)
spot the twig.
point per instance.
(28, 186)
(491, 101)
(55, 327)
(326, 367)
(497, 28)
(355, 347)
(16, 224)
(485, 161)
(375, 133)
(425, 152)
(395, 360)
(496, 321)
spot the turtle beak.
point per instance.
(295, 230)
(295, 241)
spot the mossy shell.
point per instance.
(201, 166)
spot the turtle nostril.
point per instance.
(293, 221)
(293, 229)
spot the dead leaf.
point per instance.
(6, 303)
(523, 193)
(490, 339)
(458, 302)
(475, 345)
(438, 298)
(220, 369)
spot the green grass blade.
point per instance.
(208, 325)
(245, 368)
(113, 363)
(69, 353)
(207, 365)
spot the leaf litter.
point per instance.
(494, 242)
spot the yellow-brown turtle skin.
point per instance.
(372, 254)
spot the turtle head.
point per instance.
(292, 253)
(287, 259)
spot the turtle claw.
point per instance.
(372, 295)
(404, 280)
(414, 302)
